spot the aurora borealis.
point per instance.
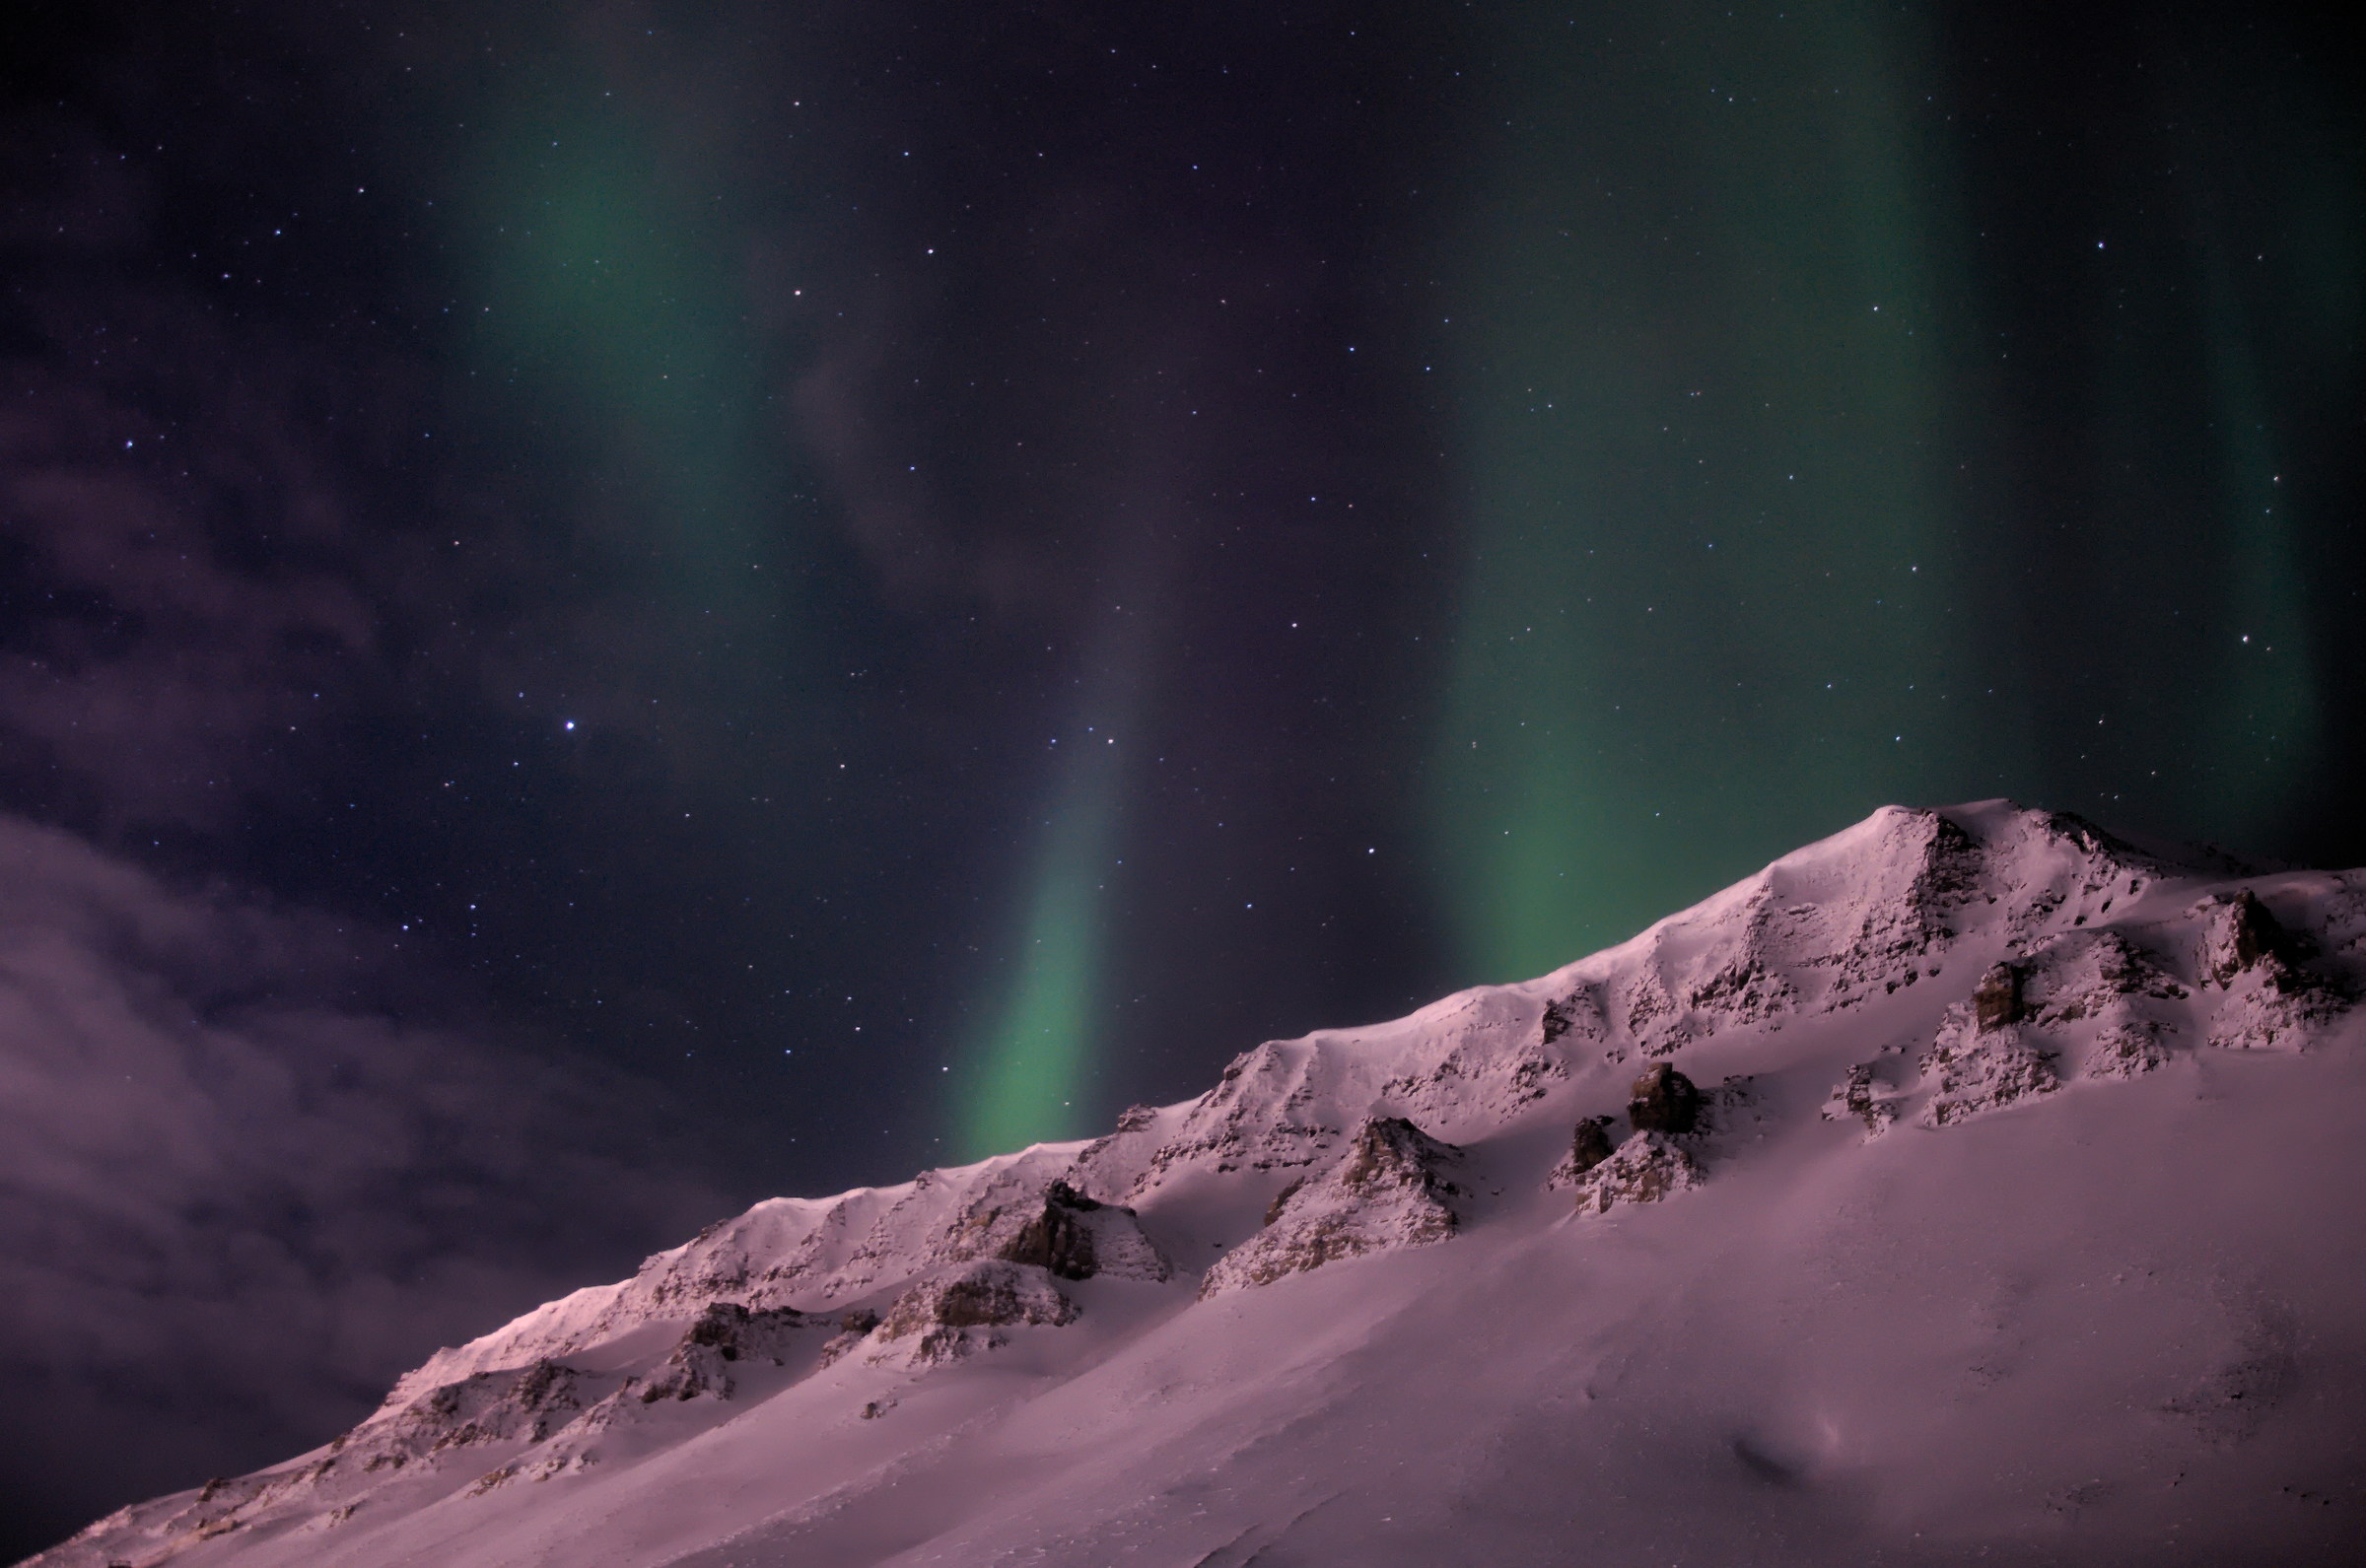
(868, 583)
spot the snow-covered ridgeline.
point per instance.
(1920, 968)
(1904, 899)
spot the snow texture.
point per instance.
(1991, 1188)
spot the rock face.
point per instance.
(1059, 1239)
(2239, 934)
(1996, 999)
(1076, 1238)
(1916, 975)
(1663, 1100)
(1968, 1069)
(1387, 1192)
(717, 1339)
(1589, 1144)
(964, 1311)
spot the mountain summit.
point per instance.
(1971, 1183)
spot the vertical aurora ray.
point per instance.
(1034, 1059)
(1028, 1074)
(1705, 613)
(2263, 725)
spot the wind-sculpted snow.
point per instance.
(1785, 1231)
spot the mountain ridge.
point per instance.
(1921, 973)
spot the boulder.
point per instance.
(1996, 999)
(1664, 1101)
(1589, 1145)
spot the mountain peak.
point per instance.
(1883, 1082)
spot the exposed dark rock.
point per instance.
(724, 1323)
(1996, 999)
(1389, 1152)
(1577, 1010)
(980, 1295)
(860, 1320)
(952, 1315)
(1664, 1101)
(1589, 1145)
(724, 1333)
(1057, 1238)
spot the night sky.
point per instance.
(611, 609)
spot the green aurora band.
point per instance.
(1752, 548)
(1700, 401)
(1032, 1065)
(612, 300)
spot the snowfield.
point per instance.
(1971, 1185)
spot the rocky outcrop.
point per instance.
(1863, 1095)
(1057, 1239)
(1389, 1191)
(2268, 1000)
(2098, 993)
(1076, 1237)
(1589, 1144)
(724, 1335)
(1646, 1168)
(1968, 1070)
(1577, 1014)
(2239, 935)
(853, 1328)
(1996, 999)
(527, 1403)
(966, 1310)
(1664, 1100)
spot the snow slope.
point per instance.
(2018, 1218)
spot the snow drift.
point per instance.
(1971, 1183)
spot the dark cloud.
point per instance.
(242, 1187)
(143, 669)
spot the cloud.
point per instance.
(239, 1192)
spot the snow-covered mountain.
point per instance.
(1971, 1183)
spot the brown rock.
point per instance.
(1665, 1101)
(1996, 999)
(1056, 1239)
(1589, 1145)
